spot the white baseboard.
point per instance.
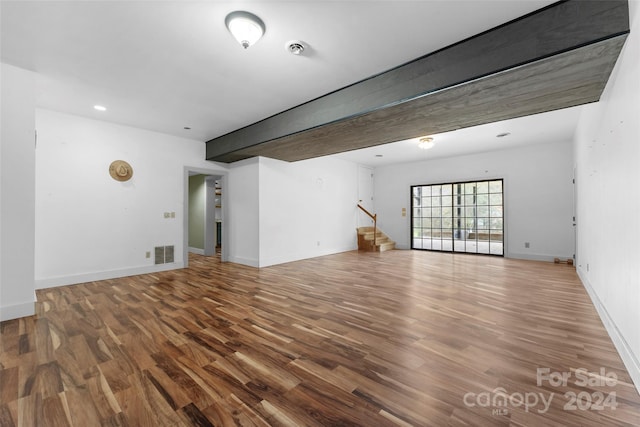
(629, 359)
(533, 257)
(244, 261)
(16, 311)
(197, 251)
(105, 275)
(290, 257)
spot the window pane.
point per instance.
(470, 223)
(426, 201)
(446, 201)
(446, 190)
(496, 199)
(482, 223)
(483, 211)
(483, 199)
(496, 224)
(496, 211)
(482, 187)
(470, 188)
(470, 212)
(436, 223)
(417, 191)
(426, 222)
(417, 212)
(447, 222)
(435, 190)
(435, 201)
(470, 200)
(496, 236)
(483, 235)
(496, 248)
(436, 212)
(495, 187)
(447, 212)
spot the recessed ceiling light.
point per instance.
(502, 135)
(426, 143)
(378, 155)
(99, 108)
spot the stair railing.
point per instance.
(374, 217)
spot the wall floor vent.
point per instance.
(164, 254)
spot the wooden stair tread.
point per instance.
(366, 238)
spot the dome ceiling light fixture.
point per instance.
(245, 27)
(426, 143)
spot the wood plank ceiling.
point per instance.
(558, 57)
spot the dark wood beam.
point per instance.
(557, 57)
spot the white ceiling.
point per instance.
(554, 126)
(164, 65)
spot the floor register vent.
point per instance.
(164, 254)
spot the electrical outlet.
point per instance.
(167, 215)
(173, 214)
(147, 254)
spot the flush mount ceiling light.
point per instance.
(246, 27)
(426, 143)
(99, 108)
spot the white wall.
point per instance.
(241, 200)
(607, 152)
(91, 227)
(538, 198)
(17, 200)
(307, 209)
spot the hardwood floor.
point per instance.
(394, 339)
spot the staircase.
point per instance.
(382, 241)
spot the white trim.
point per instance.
(244, 261)
(533, 257)
(105, 275)
(624, 349)
(10, 312)
(282, 259)
(196, 250)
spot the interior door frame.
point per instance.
(225, 217)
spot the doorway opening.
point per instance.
(204, 214)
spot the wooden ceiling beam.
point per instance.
(557, 57)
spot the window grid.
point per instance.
(458, 217)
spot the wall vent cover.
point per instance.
(164, 254)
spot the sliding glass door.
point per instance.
(458, 217)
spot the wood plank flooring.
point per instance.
(403, 338)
